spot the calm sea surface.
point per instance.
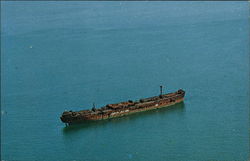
(58, 56)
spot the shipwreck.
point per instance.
(123, 108)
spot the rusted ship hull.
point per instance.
(123, 108)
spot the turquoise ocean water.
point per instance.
(58, 56)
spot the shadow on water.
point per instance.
(175, 109)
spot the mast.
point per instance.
(161, 90)
(93, 108)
